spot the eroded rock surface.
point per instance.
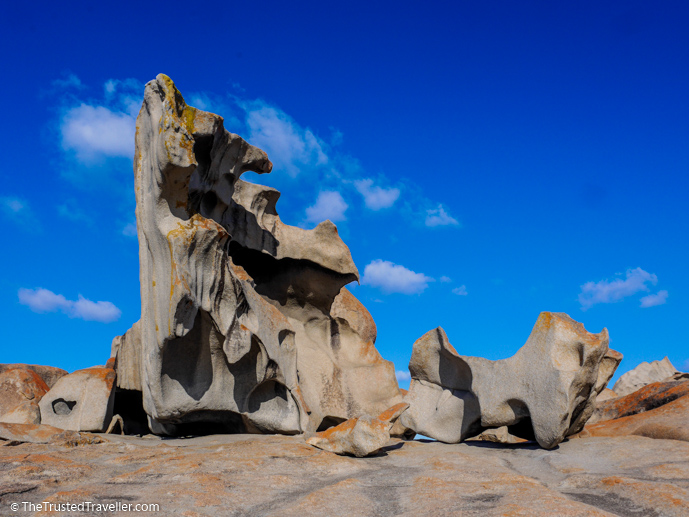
(19, 385)
(669, 421)
(360, 437)
(245, 323)
(649, 397)
(272, 475)
(644, 374)
(546, 391)
(80, 401)
(49, 374)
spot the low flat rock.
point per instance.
(647, 398)
(241, 475)
(669, 421)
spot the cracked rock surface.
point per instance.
(257, 475)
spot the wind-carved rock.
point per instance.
(546, 391)
(245, 321)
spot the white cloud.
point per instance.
(402, 376)
(461, 290)
(329, 205)
(93, 132)
(289, 146)
(607, 291)
(376, 198)
(445, 279)
(393, 278)
(685, 366)
(42, 300)
(652, 300)
(439, 217)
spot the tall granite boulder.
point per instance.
(546, 391)
(644, 374)
(245, 321)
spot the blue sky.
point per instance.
(484, 161)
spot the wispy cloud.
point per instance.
(129, 229)
(445, 279)
(69, 81)
(329, 205)
(42, 300)
(19, 211)
(461, 290)
(440, 217)
(70, 210)
(393, 278)
(652, 300)
(376, 198)
(610, 291)
(289, 146)
(402, 376)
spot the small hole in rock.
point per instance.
(63, 407)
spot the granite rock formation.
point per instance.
(80, 401)
(360, 437)
(20, 388)
(245, 322)
(645, 399)
(546, 391)
(644, 374)
(49, 374)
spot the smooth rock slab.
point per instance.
(667, 422)
(254, 475)
(649, 397)
(80, 401)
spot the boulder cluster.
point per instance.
(247, 327)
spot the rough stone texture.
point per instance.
(604, 395)
(546, 391)
(245, 324)
(669, 421)
(644, 374)
(126, 352)
(360, 437)
(19, 385)
(28, 412)
(49, 374)
(31, 433)
(242, 475)
(80, 401)
(649, 397)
